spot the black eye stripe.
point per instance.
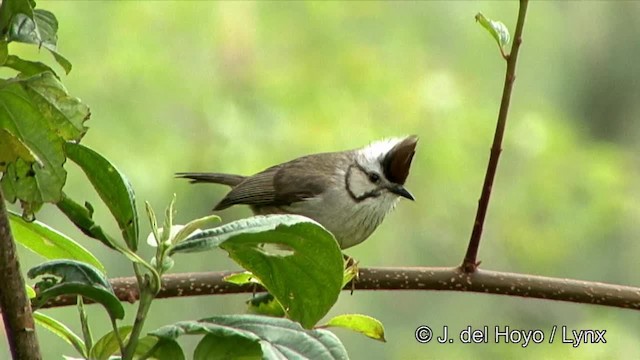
(374, 178)
(358, 198)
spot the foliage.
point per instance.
(189, 95)
(296, 259)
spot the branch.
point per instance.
(15, 307)
(470, 262)
(414, 278)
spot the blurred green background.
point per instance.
(239, 86)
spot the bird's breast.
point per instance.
(349, 221)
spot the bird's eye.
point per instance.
(374, 178)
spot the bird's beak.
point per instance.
(401, 191)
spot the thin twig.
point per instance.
(470, 263)
(414, 278)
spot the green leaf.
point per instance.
(265, 304)
(214, 347)
(4, 52)
(350, 273)
(108, 344)
(242, 278)
(48, 243)
(10, 8)
(363, 324)
(112, 186)
(48, 28)
(30, 292)
(12, 149)
(81, 216)
(79, 279)
(193, 226)
(145, 344)
(40, 29)
(61, 330)
(26, 67)
(168, 350)
(168, 221)
(41, 116)
(66, 114)
(278, 338)
(165, 349)
(296, 259)
(497, 29)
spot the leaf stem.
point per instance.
(84, 323)
(116, 333)
(470, 263)
(146, 297)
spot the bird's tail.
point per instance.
(216, 178)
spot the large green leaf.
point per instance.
(277, 338)
(61, 330)
(39, 116)
(49, 243)
(296, 259)
(112, 186)
(75, 278)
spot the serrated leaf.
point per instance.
(49, 243)
(79, 279)
(108, 344)
(278, 338)
(112, 186)
(366, 325)
(297, 260)
(496, 29)
(213, 347)
(66, 114)
(41, 115)
(61, 330)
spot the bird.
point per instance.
(347, 192)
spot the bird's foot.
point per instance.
(350, 272)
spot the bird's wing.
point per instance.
(282, 184)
